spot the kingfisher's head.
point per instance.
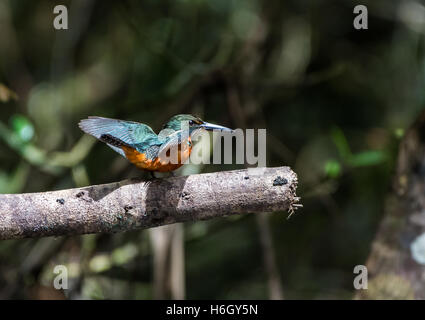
(178, 122)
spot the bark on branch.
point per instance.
(135, 203)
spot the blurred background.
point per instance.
(335, 102)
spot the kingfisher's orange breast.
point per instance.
(157, 164)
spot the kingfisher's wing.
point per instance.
(118, 133)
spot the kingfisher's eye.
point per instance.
(191, 122)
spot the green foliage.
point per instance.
(332, 169)
(22, 127)
(367, 158)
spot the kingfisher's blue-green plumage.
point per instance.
(116, 133)
(138, 143)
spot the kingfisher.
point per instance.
(140, 145)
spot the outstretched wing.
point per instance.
(118, 133)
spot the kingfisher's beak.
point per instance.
(211, 127)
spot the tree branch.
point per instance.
(396, 260)
(134, 204)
